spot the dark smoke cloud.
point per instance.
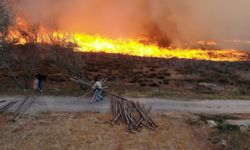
(175, 21)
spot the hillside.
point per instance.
(138, 76)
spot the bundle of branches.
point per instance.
(133, 114)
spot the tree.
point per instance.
(65, 55)
(13, 56)
(29, 53)
(6, 18)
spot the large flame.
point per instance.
(88, 43)
(133, 47)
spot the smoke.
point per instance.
(168, 21)
(220, 20)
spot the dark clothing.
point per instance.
(41, 79)
(40, 84)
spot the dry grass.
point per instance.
(93, 131)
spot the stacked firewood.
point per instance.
(133, 114)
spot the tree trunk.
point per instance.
(82, 87)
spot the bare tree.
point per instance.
(30, 34)
(66, 56)
(6, 20)
(22, 56)
(26, 58)
(29, 53)
(7, 61)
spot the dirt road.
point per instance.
(76, 104)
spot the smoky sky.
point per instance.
(178, 20)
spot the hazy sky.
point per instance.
(179, 20)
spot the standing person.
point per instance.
(35, 83)
(41, 79)
(98, 91)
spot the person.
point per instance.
(41, 79)
(98, 91)
(35, 84)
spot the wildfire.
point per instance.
(133, 47)
(89, 43)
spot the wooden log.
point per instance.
(150, 120)
(112, 109)
(104, 81)
(19, 115)
(120, 104)
(93, 98)
(141, 119)
(112, 94)
(3, 101)
(116, 118)
(87, 93)
(116, 107)
(117, 113)
(90, 85)
(131, 120)
(130, 127)
(6, 107)
(146, 116)
(128, 111)
(142, 114)
(21, 105)
(80, 81)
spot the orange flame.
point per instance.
(97, 43)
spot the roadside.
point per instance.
(56, 122)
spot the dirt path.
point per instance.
(76, 104)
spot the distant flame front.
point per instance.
(133, 47)
(128, 46)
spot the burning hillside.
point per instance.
(155, 33)
(133, 47)
(24, 33)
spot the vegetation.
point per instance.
(147, 76)
(224, 136)
(6, 19)
(170, 77)
(21, 62)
